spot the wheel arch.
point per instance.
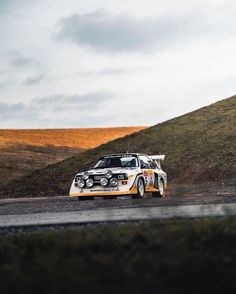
(136, 180)
(160, 177)
(142, 177)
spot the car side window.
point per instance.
(144, 161)
(152, 164)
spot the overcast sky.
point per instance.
(100, 63)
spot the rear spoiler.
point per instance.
(157, 159)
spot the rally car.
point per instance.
(121, 174)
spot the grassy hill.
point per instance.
(199, 147)
(23, 151)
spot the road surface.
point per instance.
(65, 210)
(115, 215)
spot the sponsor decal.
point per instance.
(145, 173)
(104, 190)
(127, 155)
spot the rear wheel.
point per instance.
(84, 198)
(140, 189)
(162, 191)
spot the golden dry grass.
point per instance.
(24, 151)
(74, 138)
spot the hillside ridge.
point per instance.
(199, 148)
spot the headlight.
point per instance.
(104, 182)
(89, 182)
(81, 183)
(114, 182)
(108, 174)
(85, 175)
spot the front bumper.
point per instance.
(103, 191)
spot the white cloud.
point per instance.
(102, 31)
(159, 59)
(72, 109)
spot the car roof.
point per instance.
(122, 154)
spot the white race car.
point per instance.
(121, 174)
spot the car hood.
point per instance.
(115, 170)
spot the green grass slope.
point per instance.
(181, 256)
(199, 147)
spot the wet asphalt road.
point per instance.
(181, 194)
(197, 202)
(117, 215)
(67, 204)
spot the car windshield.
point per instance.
(117, 161)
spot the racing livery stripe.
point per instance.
(92, 194)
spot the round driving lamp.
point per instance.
(89, 183)
(108, 174)
(81, 183)
(113, 182)
(104, 182)
(85, 175)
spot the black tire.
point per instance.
(140, 189)
(162, 191)
(84, 198)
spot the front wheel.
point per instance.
(162, 191)
(140, 189)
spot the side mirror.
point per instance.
(144, 165)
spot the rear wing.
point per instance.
(157, 159)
